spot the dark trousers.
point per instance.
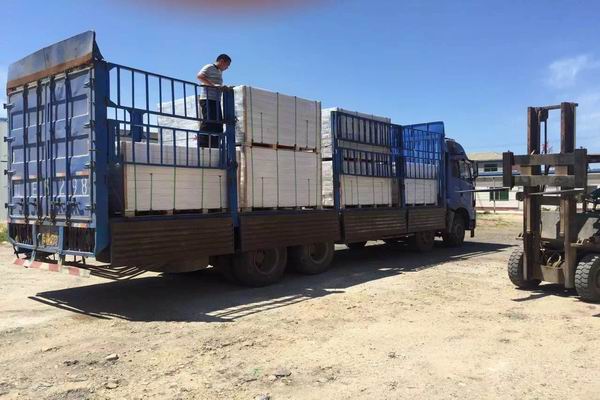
(211, 112)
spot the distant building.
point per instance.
(489, 168)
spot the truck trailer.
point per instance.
(81, 126)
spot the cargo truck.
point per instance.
(80, 127)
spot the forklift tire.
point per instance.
(455, 236)
(422, 241)
(356, 245)
(260, 267)
(313, 258)
(587, 278)
(515, 271)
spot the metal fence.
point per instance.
(157, 120)
(413, 154)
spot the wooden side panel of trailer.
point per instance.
(426, 219)
(150, 242)
(279, 229)
(363, 224)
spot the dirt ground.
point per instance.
(383, 323)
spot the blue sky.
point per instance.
(476, 65)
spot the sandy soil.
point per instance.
(384, 323)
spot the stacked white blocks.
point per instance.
(420, 183)
(278, 154)
(151, 187)
(278, 145)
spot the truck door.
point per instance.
(461, 180)
(49, 150)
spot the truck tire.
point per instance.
(455, 235)
(313, 258)
(260, 267)
(587, 278)
(515, 271)
(422, 241)
(356, 245)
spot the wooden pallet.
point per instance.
(300, 208)
(282, 147)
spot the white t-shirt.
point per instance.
(215, 75)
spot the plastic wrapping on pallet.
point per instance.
(275, 178)
(182, 107)
(349, 125)
(267, 117)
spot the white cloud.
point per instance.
(563, 73)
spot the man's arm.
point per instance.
(202, 78)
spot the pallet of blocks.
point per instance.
(355, 190)
(278, 146)
(272, 118)
(184, 178)
(421, 183)
(278, 178)
(278, 138)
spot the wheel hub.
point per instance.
(259, 258)
(317, 251)
(265, 261)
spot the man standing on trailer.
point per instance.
(211, 77)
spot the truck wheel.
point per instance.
(356, 245)
(587, 278)
(455, 236)
(260, 267)
(422, 241)
(312, 258)
(515, 271)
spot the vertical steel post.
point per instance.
(568, 203)
(102, 142)
(336, 169)
(532, 208)
(229, 116)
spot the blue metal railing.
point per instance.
(375, 156)
(159, 118)
(367, 147)
(422, 153)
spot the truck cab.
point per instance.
(460, 183)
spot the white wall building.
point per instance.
(489, 167)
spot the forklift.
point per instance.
(561, 233)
